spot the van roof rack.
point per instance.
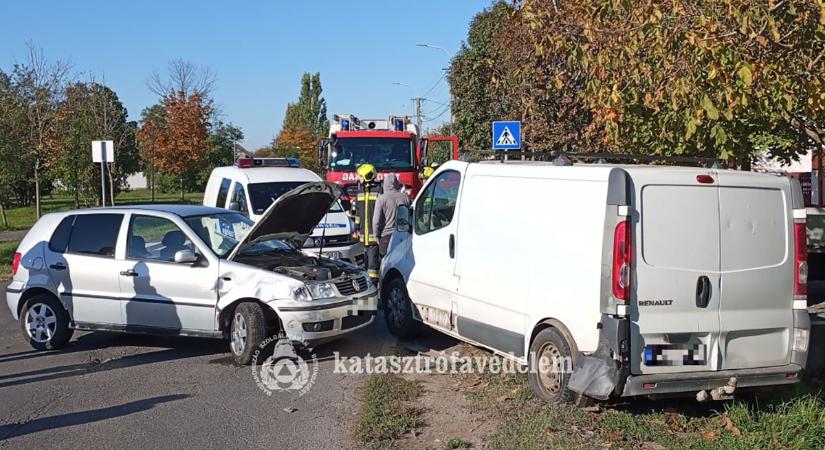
(565, 158)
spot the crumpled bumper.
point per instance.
(318, 322)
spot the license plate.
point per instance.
(675, 355)
(332, 255)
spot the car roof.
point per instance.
(266, 174)
(179, 210)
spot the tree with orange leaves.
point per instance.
(182, 138)
(299, 142)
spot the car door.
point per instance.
(432, 283)
(675, 296)
(157, 291)
(757, 266)
(81, 261)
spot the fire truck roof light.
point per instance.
(345, 125)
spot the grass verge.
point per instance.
(6, 255)
(387, 413)
(24, 218)
(794, 419)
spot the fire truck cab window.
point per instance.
(383, 153)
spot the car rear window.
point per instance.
(95, 234)
(223, 193)
(60, 237)
(754, 227)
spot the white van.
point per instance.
(252, 184)
(650, 280)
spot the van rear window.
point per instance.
(680, 227)
(753, 226)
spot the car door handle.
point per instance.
(702, 292)
(57, 267)
(452, 246)
(129, 273)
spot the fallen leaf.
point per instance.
(652, 446)
(728, 424)
(710, 435)
(614, 436)
(502, 398)
(290, 409)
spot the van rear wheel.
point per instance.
(550, 361)
(398, 310)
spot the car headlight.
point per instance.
(309, 243)
(321, 290)
(302, 294)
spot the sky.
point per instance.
(258, 51)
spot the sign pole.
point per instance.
(103, 174)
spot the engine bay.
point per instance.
(297, 265)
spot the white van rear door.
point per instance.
(675, 295)
(756, 224)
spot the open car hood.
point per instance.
(293, 216)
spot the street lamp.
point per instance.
(450, 56)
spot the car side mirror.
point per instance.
(234, 206)
(185, 256)
(402, 219)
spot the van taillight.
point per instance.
(800, 256)
(15, 263)
(622, 258)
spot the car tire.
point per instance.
(550, 385)
(45, 323)
(247, 329)
(398, 310)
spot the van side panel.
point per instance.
(529, 248)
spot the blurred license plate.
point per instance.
(332, 255)
(675, 355)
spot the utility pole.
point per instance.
(419, 118)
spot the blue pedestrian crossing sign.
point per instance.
(506, 135)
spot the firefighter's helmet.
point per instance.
(367, 172)
(427, 172)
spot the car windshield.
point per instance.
(262, 195)
(222, 232)
(347, 154)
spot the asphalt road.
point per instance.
(109, 390)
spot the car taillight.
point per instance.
(15, 263)
(800, 256)
(622, 258)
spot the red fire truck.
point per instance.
(391, 145)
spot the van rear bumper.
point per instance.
(690, 383)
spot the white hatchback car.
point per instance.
(188, 270)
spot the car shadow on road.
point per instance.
(83, 417)
(172, 348)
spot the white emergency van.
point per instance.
(648, 279)
(252, 184)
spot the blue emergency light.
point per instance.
(399, 125)
(345, 124)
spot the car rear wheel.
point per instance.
(45, 323)
(550, 362)
(398, 310)
(246, 332)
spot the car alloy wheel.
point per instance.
(41, 323)
(238, 343)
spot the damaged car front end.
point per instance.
(314, 299)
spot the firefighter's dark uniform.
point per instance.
(362, 210)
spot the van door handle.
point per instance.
(129, 273)
(702, 292)
(452, 246)
(57, 267)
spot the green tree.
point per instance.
(310, 111)
(15, 179)
(90, 111)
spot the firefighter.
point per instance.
(362, 211)
(427, 172)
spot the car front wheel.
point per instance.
(398, 310)
(45, 323)
(246, 332)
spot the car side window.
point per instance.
(95, 234)
(155, 239)
(60, 238)
(239, 197)
(223, 193)
(435, 209)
